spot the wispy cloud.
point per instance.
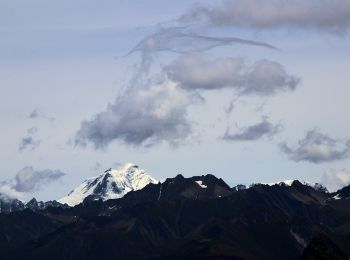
(317, 147)
(182, 40)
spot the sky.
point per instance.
(252, 91)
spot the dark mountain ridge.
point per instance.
(197, 217)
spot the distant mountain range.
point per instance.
(181, 218)
(8, 205)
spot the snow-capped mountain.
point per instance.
(112, 184)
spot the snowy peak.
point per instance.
(287, 183)
(112, 184)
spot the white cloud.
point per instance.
(317, 147)
(27, 181)
(335, 179)
(143, 117)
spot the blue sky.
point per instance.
(165, 106)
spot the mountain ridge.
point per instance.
(116, 183)
(195, 217)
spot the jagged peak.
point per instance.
(289, 183)
(298, 183)
(33, 200)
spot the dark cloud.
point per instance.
(29, 180)
(317, 147)
(264, 77)
(327, 15)
(254, 132)
(181, 40)
(143, 117)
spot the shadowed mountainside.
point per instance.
(198, 217)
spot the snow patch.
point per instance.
(336, 197)
(200, 183)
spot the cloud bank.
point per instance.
(317, 147)
(28, 180)
(321, 15)
(254, 132)
(264, 77)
